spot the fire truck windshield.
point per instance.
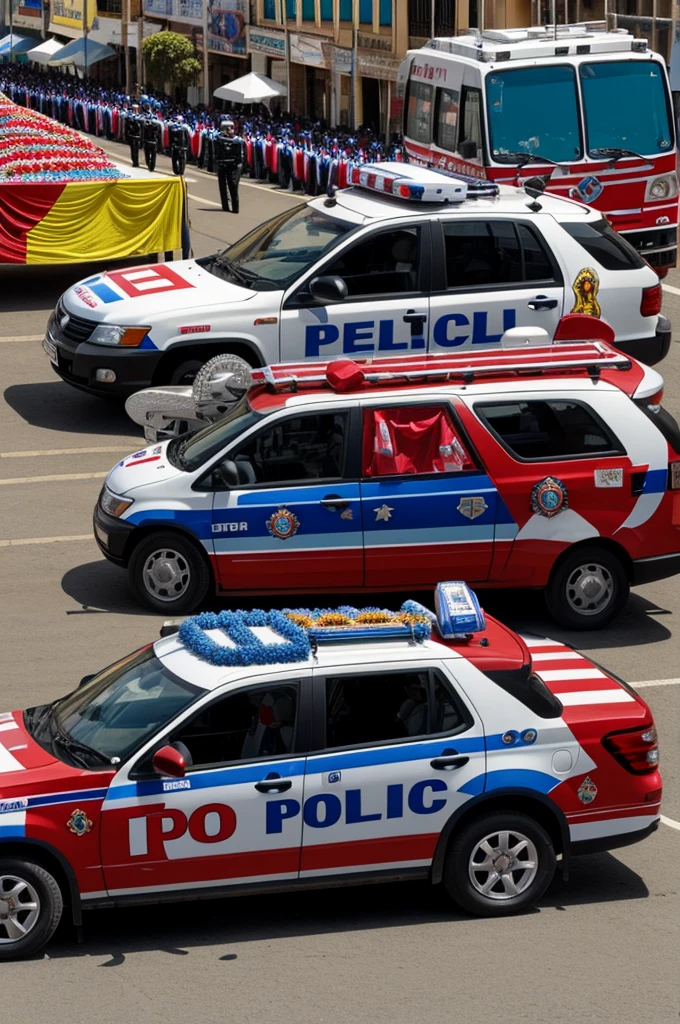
(534, 110)
(626, 106)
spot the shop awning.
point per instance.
(43, 53)
(74, 53)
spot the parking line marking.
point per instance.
(63, 451)
(670, 288)
(43, 540)
(22, 337)
(655, 682)
(670, 822)
(53, 477)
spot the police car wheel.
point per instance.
(168, 574)
(185, 373)
(499, 864)
(587, 589)
(31, 905)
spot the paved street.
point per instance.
(601, 948)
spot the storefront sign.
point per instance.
(267, 41)
(28, 15)
(369, 41)
(307, 50)
(71, 13)
(184, 11)
(377, 65)
(227, 21)
(339, 60)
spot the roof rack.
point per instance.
(591, 357)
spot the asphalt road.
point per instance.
(602, 947)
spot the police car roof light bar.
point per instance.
(592, 357)
(406, 181)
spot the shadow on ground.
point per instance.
(178, 928)
(58, 406)
(39, 287)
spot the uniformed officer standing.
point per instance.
(179, 143)
(229, 155)
(133, 133)
(150, 134)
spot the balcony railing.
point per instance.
(420, 17)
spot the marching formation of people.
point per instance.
(296, 154)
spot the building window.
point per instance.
(345, 10)
(269, 10)
(366, 12)
(308, 13)
(291, 10)
(327, 10)
(385, 12)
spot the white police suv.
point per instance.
(406, 260)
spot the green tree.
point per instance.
(170, 57)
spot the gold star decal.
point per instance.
(383, 513)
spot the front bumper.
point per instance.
(658, 246)
(112, 536)
(649, 350)
(659, 567)
(78, 362)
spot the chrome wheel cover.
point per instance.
(19, 908)
(589, 589)
(503, 865)
(166, 574)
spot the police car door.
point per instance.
(428, 508)
(289, 514)
(386, 273)
(235, 818)
(397, 745)
(490, 275)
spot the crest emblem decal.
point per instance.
(585, 288)
(79, 823)
(548, 497)
(283, 524)
(472, 507)
(587, 791)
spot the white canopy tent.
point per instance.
(74, 53)
(43, 53)
(251, 88)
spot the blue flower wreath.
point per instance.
(249, 649)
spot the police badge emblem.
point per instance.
(548, 497)
(472, 507)
(283, 524)
(587, 791)
(79, 823)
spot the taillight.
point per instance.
(651, 300)
(636, 749)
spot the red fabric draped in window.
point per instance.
(419, 439)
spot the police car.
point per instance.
(265, 750)
(407, 260)
(547, 467)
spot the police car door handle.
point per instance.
(273, 785)
(334, 503)
(540, 302)
(416, 320)
(448, 764)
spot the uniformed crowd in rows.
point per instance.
(295, 153)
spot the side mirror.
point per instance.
(329, 288)
(168, 761)
(468, 149)
(225, 475)
(86, 679)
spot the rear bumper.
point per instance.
(112, 536)
(659, 567)
(649, 350)
(603, 843)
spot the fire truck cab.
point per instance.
(573, 109)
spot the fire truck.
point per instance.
(571, 109)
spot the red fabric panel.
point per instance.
(21, 208)
(581, 327)
(411, 440)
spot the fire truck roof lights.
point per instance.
(406, 181)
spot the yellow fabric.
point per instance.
(95, 220)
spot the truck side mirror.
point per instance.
(468, 149)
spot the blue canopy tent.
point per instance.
(13, 45)
(74, 53)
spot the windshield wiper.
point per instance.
(614, 154)
(244, 276)
(74, 747)
(521, 159)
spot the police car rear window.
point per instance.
(527, 688)
(603, 243)
(548, 429)
(662, 419)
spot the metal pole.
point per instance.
(85, 13)
(355, 70)
(432, 28)
(206, 83)
(124, 43)
(554, 17)
(11, 31)
(140, 52)
(387, 117)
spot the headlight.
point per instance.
(109, 334)
(663, 187)
(113, 503)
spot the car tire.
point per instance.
(595, 567)
(33, 885)
(184, 373)
(168, 573)
(465, 878)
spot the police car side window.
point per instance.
(241, 726)
(384, 263)
(482, 253)
(293, 450)
(548, 429)
(383, 707)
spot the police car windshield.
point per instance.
(194, 452)
(273, 255)
(122, 707)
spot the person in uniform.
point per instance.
(229, 160)
(133, 133)
(150, 134)
(179, 143)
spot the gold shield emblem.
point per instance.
(586, 287)
(472, 507)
